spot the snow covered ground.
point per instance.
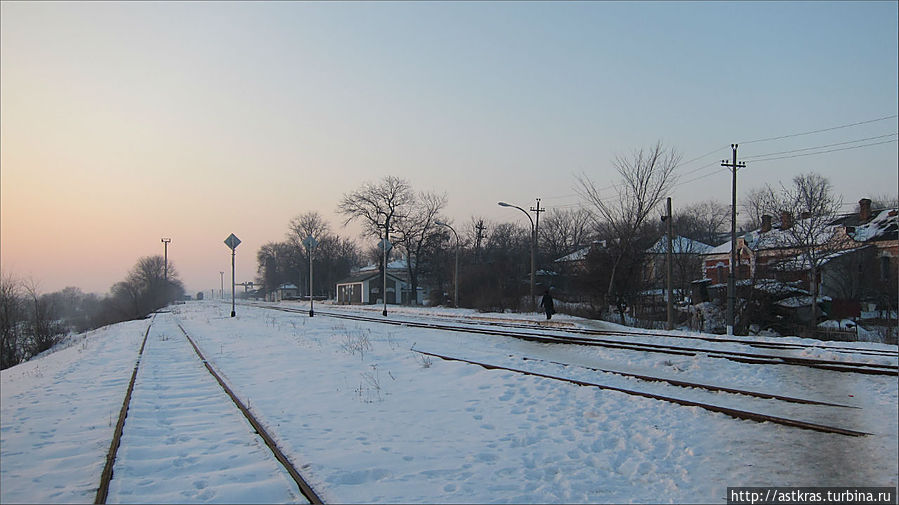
(368, 420)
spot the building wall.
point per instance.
(350, 293)
(374, 290)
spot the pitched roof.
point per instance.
(883, 226)
(578, 255)
(363, 276)
(581, 253)
(679, 245)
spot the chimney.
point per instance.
(864, 210)
(786, 220)
(766, 223)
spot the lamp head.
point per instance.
(503, 204)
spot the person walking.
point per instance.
(547, 304)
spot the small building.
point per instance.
(284, 292)
(365, 287)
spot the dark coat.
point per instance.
(547, 304)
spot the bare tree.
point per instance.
(476, 235)
(757, 203)
(883, 201)
(333, 258)
(811, 199)
(703, 221)
(417, 231)
(12, 317)
(647, 176)
(498, 283)
(306, 224)
(271, 264)
(565, 231)
(377, 205)
(43, 330)
(146, 288)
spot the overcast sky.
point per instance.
(122, 123)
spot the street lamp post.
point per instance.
(456, 271)
(222, 290)
(310, 244)
(165, 243)
(533, 249)
(386, 246)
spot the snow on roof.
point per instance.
(362, 276)
(795, 302)
(578, 255)
(800, 263)
(581, 254)
(884, 226)
(776, 287)
(399, 264)
(679, 245)
(757, 240)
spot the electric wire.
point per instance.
(795, 153)
(819, 131)
(827, 151)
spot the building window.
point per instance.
(884, 268)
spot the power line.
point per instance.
(821, 130)
(827, 151)
(755, 158)
(822, 147)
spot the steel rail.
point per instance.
(697, 385)
(743, 357)
(106, 476)
(735, 413)
(771, 345)
(625, 333)
(305, 488)
(746, 357)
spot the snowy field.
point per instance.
(368, 420)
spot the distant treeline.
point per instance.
(31, 322)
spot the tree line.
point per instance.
(495, 256)
(616, 223)
(31, 322)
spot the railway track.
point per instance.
(696, 385)
(106, 476)
(656, 333)
(485, 321)
(554, 336)
(735, 413)
(108, 472)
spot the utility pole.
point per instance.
(165, 243)
(731, 278)
(668, 267)
(386, 246)
(222, 290)
(310, 244)
(537, 210)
